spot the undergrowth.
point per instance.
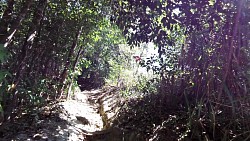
(200, 120)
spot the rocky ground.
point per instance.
(97, 115)
(88, 116)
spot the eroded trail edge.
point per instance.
(87, 116)
(94, 113)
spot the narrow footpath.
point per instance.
(87, 117)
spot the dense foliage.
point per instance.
(202, 60)
(46, 45)
(203, 57)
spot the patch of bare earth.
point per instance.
(81, 118)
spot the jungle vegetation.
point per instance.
(201, 71)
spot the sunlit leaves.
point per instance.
(211, 2)
(102, 51)
(151, 16)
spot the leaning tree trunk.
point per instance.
(5, 21)
(28, 43)
(64, 74)
(73, 69)
(38, 14)
(6, 34)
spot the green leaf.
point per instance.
(3, 74)
(3, 53)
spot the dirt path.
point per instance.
(82, 115)
(85, 117)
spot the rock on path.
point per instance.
(82, 115)
(64, 121)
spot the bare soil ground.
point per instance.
(86, 117)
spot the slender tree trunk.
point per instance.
(5, 21)
(38, 14)
(67, 64)
(231, 47)
(181, 63)
(73, 68)
(5, 34)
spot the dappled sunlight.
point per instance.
(124, 70)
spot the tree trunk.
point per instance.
(5, 34)
(38, 14)
(5, 21)
(231, 47)
(73, 69)
(64, 74)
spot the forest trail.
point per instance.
(86, 117)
